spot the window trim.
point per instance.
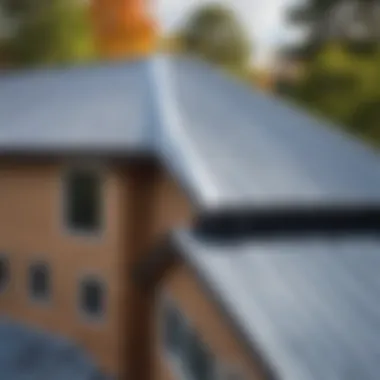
(69, 168)
(5, 287)
(36, 300)
(84, 315)
(210, 355)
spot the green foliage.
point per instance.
(344, 87)
(342, 78)
(49, 32)
(214, 33)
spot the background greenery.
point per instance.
(46, 32)
(341, 75)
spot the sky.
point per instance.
(264, 20)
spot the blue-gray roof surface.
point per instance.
(257, 150)
(99, 107)
(310, 306)
(28, 354)
(229, 145)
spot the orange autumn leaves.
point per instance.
(123, 28)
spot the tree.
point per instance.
(354, 23)
(123, 28)
(48, 31)
(213, 32)
(341, 60)
(344, 87)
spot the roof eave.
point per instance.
(52, 152)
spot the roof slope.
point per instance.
(257, 150)
(310, 306)
(227, 144)
(99, 107)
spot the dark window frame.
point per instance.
(181, 355)
(83, 227)
(200, 361)
(88, 315)
(172, 312)
(4, 259)
(39, 296)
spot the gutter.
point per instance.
(248, 223)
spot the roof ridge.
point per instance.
(170, 133)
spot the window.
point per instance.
(200, 362)
(83, 200)
(189, 354)
(39, 281)
(4, 273)
(175, 329)
(92, 298)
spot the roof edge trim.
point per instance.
(241, 224)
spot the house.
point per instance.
(157, 192)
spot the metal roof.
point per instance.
(228, 144)
(257, 150)
(28, 354)
(99, 107)
(310, 306)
